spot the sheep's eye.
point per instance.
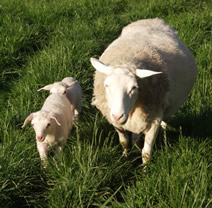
(64, 92)
(132, 89)
(47, 125)
(32, 125)
(106, 85)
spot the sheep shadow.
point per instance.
(195, 125)
(192, 125)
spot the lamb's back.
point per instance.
(59, 104)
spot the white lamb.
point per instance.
(141, 79)
(52, 124)
(71, 87)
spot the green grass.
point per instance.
(45, 41)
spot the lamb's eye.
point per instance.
(64, 92)
(47, 125)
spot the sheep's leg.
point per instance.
(123, 139)
(136, 140)
(149, 140)
(163, 125)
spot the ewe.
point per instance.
(52, 124)
(141, 79)
(71, 88)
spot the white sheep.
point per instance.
(141, 79)
(71, 87)
(52, 124)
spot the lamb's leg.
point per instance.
(123, 139)
(43, 152)
(76, 115)
(59, 149)
(149, 140)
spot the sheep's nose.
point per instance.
(117, 118)
(39, 138)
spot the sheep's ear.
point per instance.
(47, 88)
(99, 66)
(142, 73)
(54, 117)
(29, 118)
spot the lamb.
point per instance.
(51, 124)
(141, 79)
(71, 87)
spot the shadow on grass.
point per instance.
(195, 125)
(12, 63)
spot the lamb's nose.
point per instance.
(39, 138)
(117, 118)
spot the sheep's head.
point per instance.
(121, 89)
(42, 122)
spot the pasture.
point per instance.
(44, 41)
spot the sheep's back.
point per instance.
(154, 45)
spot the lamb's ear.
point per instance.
(29, 118)
(142, 73)
(71, 84)
(54, 117)
(47, 88)
(99, 66)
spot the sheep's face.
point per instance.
(42, 125)
(121, 90)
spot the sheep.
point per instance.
(51, 124)
(71, 87)
(141, 79)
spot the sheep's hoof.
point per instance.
(124, 153)
(145, 158)
(163, 125)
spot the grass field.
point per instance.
(44, 41)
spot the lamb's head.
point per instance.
(121, 89)
(43, 122)
(57, 87)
